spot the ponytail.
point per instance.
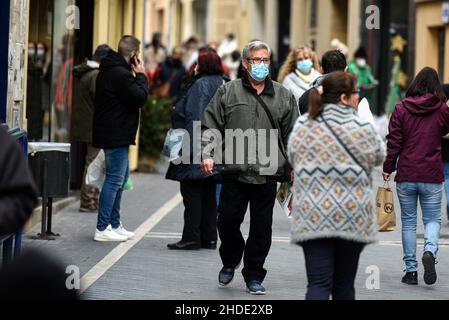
(316, 105)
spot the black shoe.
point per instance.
(209, 245)
(184, 245)
(430, 274)
(254, 287)
(225, 276)
(410, 278)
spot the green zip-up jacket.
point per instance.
(235, 107)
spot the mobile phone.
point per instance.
(135, 60)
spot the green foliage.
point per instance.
(154, 124)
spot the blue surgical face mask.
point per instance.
(259, 72)
(304, 66)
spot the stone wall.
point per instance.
(16, 95)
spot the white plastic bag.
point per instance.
(366, 114)
(365, 111)
(96, 172)
(173, 144)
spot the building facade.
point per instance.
(13, 64)
(282, 24)
(318, 22)
(113, 19)
(432, 36)
(45, 40)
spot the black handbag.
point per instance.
(287, 168)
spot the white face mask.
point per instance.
(40, 52)
(361, 63)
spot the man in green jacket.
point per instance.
(237, 113)
(85, 77)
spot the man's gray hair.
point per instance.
(255, 45)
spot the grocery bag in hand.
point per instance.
(386, 217)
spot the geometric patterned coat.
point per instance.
(332, 194)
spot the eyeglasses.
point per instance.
(356, 91)
(259, 60)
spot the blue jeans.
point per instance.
(430, 196)
(446, 176)
(117, 172)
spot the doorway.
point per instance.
(284, 37)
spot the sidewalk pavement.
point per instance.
(146, 269)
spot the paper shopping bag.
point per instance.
(386, 217)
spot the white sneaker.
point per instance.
(122, 231)
(109, 235)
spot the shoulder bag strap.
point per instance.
(344, 146)
(273, 123)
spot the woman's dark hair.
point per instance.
(426, 82)
(361, 53)
(334, 85)
(156, 41)
(209, 62)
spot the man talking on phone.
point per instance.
(121, 90)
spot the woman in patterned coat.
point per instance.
(333, 153)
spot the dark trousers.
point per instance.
(234, 200)
(331, 266)
(200, 214)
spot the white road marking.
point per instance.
(109, 260)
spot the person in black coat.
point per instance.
(333, 60)
(172, 70)
(121, 90)
(18, 194)
(197, 189)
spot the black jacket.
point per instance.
(303, 103)
(118, 97)
(18, 195)
(173, 69)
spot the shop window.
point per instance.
(39, 73)
(50, 63)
